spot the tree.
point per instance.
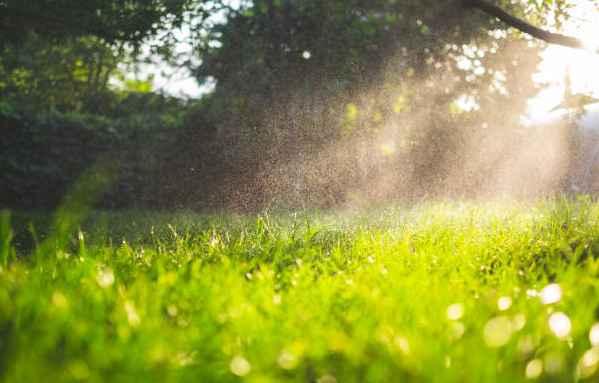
(59, 55)
(112, 20)
(552, 38)
(293, 77)
(39, 76)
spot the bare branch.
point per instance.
(551, 38)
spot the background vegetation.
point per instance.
(317, 103)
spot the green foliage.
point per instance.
(39, 76)
(111, 20)
(379, 296)
(293, 79)
(5, 237)
(49, 153)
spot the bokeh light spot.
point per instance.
(534, 368)
(560, 324)
(104, 276)
(551, 294)
(239, 366)
(594, 334)
(455, 311)
(497, 331)
(504, 303)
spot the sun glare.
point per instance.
(583, 66)
(589, 34)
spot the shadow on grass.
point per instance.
(57, 228)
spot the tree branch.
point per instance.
(551, 38)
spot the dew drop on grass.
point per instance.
(497, 331)
(132, 315)
(534, 368)
(504, 303)
(403, 344)
(104, 276)
(455, 311)
(59, 300)
(457, 330)
(518, 322)
(560, 324)
(239, 366)
(551, 294)
(587, 365)
(594, 334)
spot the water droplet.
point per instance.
(457, 329)
(497, 331)
(240, 366)
(132, 315)
(560, 324)
(104, 276)
(59, 300)
(504, 303)
(594, 334)
(518, 322)
(455, 311)
(403, 344)
(587, 365)
(534, 368)
(551, 294)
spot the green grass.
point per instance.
(445, 292)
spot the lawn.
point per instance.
(442, 292)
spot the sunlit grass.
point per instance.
(478, 292)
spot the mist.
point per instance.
(391, 103)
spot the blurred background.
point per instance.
(241, 105)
